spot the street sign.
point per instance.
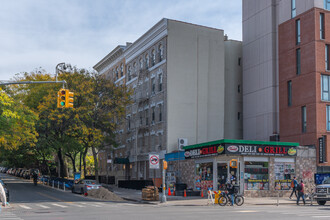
(153, 161)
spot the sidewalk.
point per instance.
(136, 196)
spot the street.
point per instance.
(31, 202)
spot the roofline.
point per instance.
(232, 141)
(108, 56)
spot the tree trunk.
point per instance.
(61, 163)
(84, 161)
(73, 160)
(80, 155)
(96, 165)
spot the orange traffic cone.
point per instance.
(202, 195)
(169, 191)
(184, 193)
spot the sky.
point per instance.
(39, 34)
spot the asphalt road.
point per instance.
(31, 202)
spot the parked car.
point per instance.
(6, 190)
(84, 185)
(322, 194)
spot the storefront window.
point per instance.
(204, 176)
(256, 176)
(284, 173)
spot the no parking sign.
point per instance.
(153, 161)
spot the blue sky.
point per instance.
(43, 33)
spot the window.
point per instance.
(141, 64)
(298, 61)
(256, 176)
(161, 52)
(303, 119)
(147, 117)
(238, 116)
(328, 117)
(284, 173)
(297, 31)
(289, 93)
(325, 96)
(322, 35)
(204, 176)
(160, 113)
(239, 61)
(129, 122)
(141, 119)
(117, 73)
(239, 88)
(129, 73)
(326, 4)
(135, 67)
(153, 86)
(293, 8)
(147, 61)
(160, 82)
(327, 64)
(153, 62)
(121, 70)
(153, 115)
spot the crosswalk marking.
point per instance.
(77, 205)
(321, 216)
(25, 207)
(62, 206)
(43, 206)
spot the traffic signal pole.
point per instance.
(3, 83)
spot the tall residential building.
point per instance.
(286, 74)
(187, 85)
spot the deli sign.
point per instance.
(204, 151)
(260, 150)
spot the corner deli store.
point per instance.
(259, 168)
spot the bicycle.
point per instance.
(224, 198)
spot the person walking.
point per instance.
(294, 184)
(301, 192)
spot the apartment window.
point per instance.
(297, 31)
(121, 70)
(289, 93)
(161, 52)
(238, 116)
(322, 35)
(129, 122)
(327, 64)
(141, 64)
(160, 113)
(239, 61)
(327, 4)
(129, 73)
(328, 117)
(117, 73)
(303, 119)
(325, 95)
(298, 61)
(239, 88)
(153, 62)
(135, 67)
(160, 82)
(141, 121)
(147, 61)
(153, 115)
(147, 117)
(153, 86)
(293, 8)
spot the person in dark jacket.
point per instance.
(231, 191)
(301, 192)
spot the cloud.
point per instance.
(38, 33)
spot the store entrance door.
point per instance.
(222, 175)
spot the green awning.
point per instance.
(228, 141)
(119, 160)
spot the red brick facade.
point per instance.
(306, 87)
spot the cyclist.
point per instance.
(231, 191)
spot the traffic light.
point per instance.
(61, 98)
(69, 99)
(164, 165)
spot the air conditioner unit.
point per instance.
(182, 142)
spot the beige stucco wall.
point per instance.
(233, 90)
(195, 84)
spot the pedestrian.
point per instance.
(301, 192)
(294, 184)
(231, 191)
